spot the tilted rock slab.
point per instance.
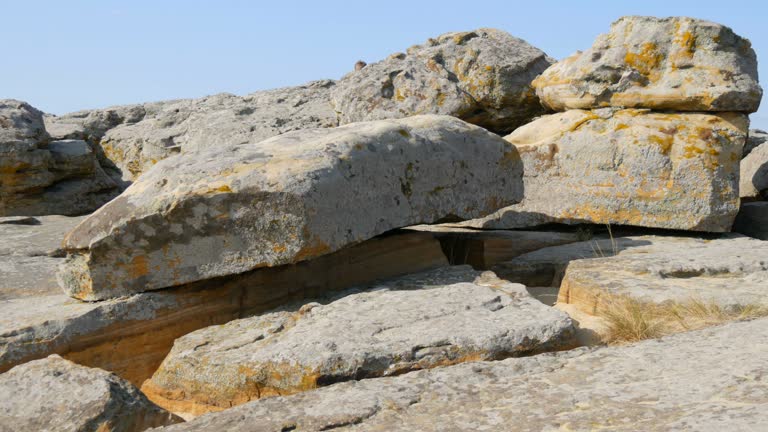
(756, 137)
(54, 394)
(753, 183)
(728, 272)
(706, 380)
(752, 220)
(442, 317)
(132, 335)
(628, 167)
(678, 63)
(482, 76)
(291, 198)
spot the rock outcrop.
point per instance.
(420, 321)
(54, 394)
(689, 381)
(754, 173)
(678, 63)
(630, 167)
(752, 220)
(294, 197)
(482, 76)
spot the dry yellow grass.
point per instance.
(631, 320)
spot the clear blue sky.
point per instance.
(63, 56)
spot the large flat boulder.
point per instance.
(291, 198)
(753, 183)
(482, 76)
(446, 316)
(752, 220)
(132, 335)
(54, 394)
(707, 380)
(677, 63)
(628, 167)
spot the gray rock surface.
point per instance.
(676, 63)
(54, 394)
(482, 76)
(420, 321)
(190, 125)
(752, 220)
(707, 380)
(753, 183)
(628, 167)
(294, 197)
(755, 138)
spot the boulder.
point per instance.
(628, 167)
(132, 335)
(677, 63)
(290, 198)
(191, 125)
(482, 76)
(446, 316)
(752, 220)
(54, 394)
(753, 183)
(756, 137)
(706, 380)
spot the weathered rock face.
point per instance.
(91, 125)
(728, 272)
(131, 336)
(483, 77)
(752, 220)
(442, 317)
(190, 125)
(56, 394)
(293, 197)
(39, 176)
(631, 167)
(690, 381)
(678, 63)
(754, 173)
(756, 137)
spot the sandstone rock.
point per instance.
(442, 317)
(756, 137)
(677, 63)
(54, 394)
(752, 220)
(707, 380)
(132, 335)
(91, 125)
(482, 76)
(630, 167)
(291, 198)
(754, 173)
(194, 124)
(484, 248)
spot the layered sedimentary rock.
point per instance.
(482, 76)
(690, 381)
(631, 167)
(132, 335)
(39, 176)
(678, 63)
(752, 220)
(294, 197)
(446, 316)
(753, 183)
(54, 394)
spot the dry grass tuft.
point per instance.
(630, 320)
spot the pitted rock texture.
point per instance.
(294, 197)
(446, 316)
(190, 125)
(54, 394)
(482, 76)
(729, 272)
(694, 381)
(752, 220)
(132, 335)
(628, 167)
(753, 183)
(677, 63)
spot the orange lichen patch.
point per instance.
(646, 60)
(313, 249)
(279, 248)
(139, 266)
(621, 126)
(665, 142)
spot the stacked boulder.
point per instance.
(652, 124)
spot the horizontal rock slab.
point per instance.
(482, 249)
(446, 316)
(482, 76)
(703, 380)
(753, 183)
(628, 167)
(56, 394)
(677, 63)
(728, 272)
(752, 220)
(291, 198)
(132, 335)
